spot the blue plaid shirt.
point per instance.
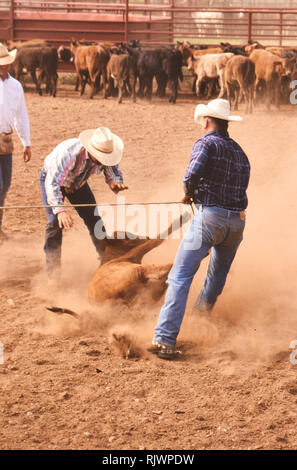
(218, 173)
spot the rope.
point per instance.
(89, 205)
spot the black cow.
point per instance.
(171, 72)
(196, 47)
(65, 54)
(43, 58)
(237, 50)
(290, 54)
(134, 49)
(134, 43)
(165, 64)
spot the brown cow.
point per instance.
(210, 50)
(240, 79)
(286, 52)
(275, 50)
(90, 63)
(120, 70)
(269, 69)
(252, 47)
(188, 51)
(31, 43)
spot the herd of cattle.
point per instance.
(249, 73)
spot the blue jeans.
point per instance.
(53, 233)
(5, 180)
(212, 228)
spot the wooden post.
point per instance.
(126, 20)
(172, 21)
(11, 20)
(250, 26)
(149, 35)
(281, 29)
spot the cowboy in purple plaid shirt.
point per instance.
(218, 172)
(217, 179)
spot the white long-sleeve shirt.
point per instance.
(13, 110)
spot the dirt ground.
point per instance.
(64, 385)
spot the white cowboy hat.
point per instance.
(218, 108)
(6, 57)
(103, 145)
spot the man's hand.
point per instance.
(117, 187)
(187, 200)
(65, 220)
(27, 154)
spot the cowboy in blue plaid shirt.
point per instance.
(217, 179)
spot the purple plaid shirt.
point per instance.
(218, 173)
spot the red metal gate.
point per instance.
(58, 22)
(121, 20)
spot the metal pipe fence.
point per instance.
(59, 21)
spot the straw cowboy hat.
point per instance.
(6, 57)
(218, 108)
(103, 145)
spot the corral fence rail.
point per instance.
(166, 22)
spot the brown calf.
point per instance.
(90, 63)
(188, 51)
(240, 79)
(122, 275)
(120, 69)
(275, 50)
(252, 47)
(269, 70)
(30, 43)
